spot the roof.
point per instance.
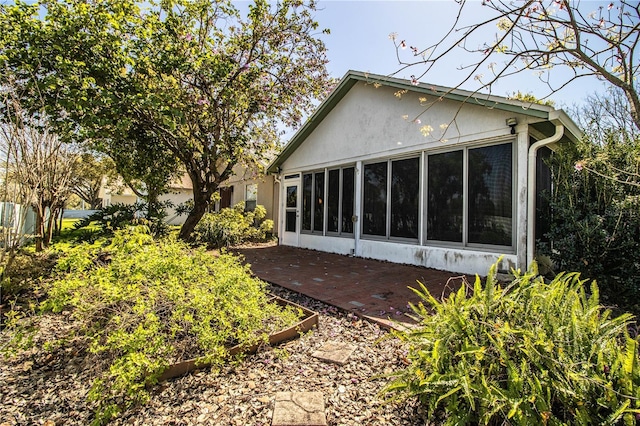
(548, 115)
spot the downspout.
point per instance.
(531, 187)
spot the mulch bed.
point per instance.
(50, 387)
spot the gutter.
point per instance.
(531, 187)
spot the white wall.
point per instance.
(368, 123)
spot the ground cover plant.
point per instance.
(139, 305)
(528, 352)
(232, 226)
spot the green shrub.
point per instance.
(526, 353)
(595, 216)
(145, 304)
(119, 216)
(233, 226)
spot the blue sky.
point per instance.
(359, 40)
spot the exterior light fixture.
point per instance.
(512, 122)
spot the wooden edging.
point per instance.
(309, 320)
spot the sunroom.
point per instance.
(368, 176)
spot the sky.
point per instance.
(359, 40)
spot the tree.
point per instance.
(216, 87)
(39, 166)
(538, 36)
(89, 173)
(72, 56)
(192, 81)
(595, 201)
(608, 113)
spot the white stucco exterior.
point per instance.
(369, 121)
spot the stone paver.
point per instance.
(299, 409)
(336, 352)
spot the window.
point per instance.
(405, 197)
(374, 212)
(318, 198)
(391, 200)
(444, 197)
(348, 199)
(337, 203)
(307, 186)
(489, 196)
(333, 201)
(250, 197)
(226, 195)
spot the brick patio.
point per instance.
(374, 289)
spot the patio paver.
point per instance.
(299, 409)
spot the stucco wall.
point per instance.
(369, 123)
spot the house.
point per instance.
(246, 184)
(419, 174)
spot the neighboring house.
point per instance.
(117, 193)
(371, 174)
(246, 185)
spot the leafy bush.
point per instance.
(145, 304)
(118, 216)
(595, 216)
(526, 353)
(233, 226)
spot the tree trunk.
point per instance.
(200, 203)
(39, 229)
(634, 104)
(96, 204)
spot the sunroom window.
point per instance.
(491, 195)
(391, 198)
(485, 184)
(331, 194)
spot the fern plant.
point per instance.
(528, 352)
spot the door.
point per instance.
(291, 210)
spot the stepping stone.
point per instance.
(336, 352)
(299, 409)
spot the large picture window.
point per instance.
(391, 198)
(374, 213)
(490, 195)
(405, 198)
